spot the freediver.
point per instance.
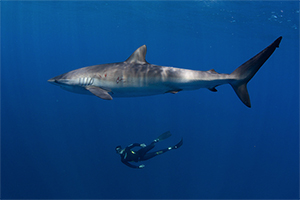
(128, 155)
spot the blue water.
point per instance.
(56, 144)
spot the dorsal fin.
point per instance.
(212, 71)
(138, 56)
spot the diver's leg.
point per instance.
(153, 154)
(144, 150)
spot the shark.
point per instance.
(136, 77)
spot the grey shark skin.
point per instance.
(136, 77)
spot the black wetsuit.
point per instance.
(135, 156)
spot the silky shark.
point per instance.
(136, 77)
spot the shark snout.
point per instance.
(53, 81)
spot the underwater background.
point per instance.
(61, 145)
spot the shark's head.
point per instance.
(61, 80)
(68, 83)
(54, 81)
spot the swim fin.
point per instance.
(163, 136)
(178, 145)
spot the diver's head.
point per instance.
(119, 149)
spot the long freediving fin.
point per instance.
(163, 136)
(179, 144)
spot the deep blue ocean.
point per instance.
(60, 145)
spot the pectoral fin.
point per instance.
(99, 92)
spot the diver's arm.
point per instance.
(133, 145)
(132, 166)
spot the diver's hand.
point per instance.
(143, 145)
(141, 166)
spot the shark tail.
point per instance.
(243, 74)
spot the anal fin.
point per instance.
(99, 92)
(174, 91)
(213, 89)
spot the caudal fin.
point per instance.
(246, 71)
